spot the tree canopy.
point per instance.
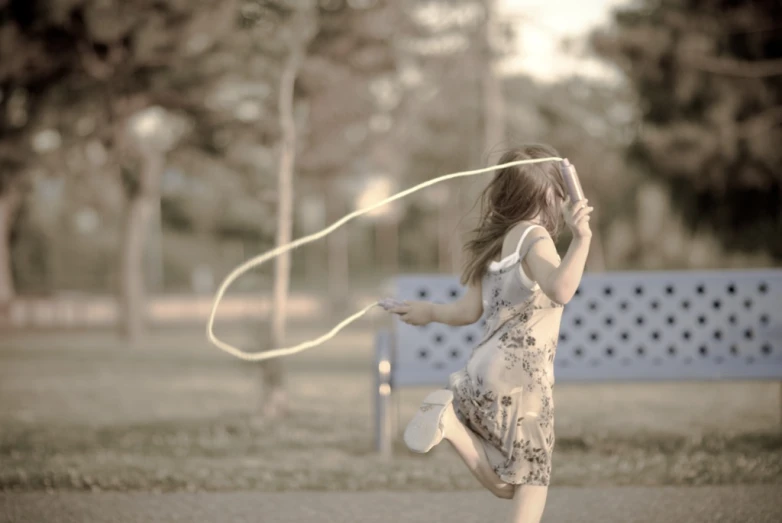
(708, 75)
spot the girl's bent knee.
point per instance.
(504, 491)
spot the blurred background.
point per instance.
(148, 148)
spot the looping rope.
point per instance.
(258, 260)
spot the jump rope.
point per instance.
(571, 182)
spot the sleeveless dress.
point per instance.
(504, 393)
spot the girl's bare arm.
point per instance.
(465, 311)
(558, 280)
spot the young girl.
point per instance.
(498, 412)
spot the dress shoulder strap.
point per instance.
(524, 235)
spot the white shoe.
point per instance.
(426, 429)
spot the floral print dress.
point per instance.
(504, 393)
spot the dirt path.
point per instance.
(713, 504)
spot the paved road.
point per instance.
(709, 504)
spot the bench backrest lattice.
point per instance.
(622, 326)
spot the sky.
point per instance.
(545, 24)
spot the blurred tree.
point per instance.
(71, 213)
(113, 51)
(454, 105)
(10, 198)
(493, 95)
(590, 123)
(231, 98)
(322, 61)
(300, 31)
(347, 81)
(709, 77)
(24, 70)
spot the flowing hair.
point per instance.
(516, 193)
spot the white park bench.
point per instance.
(620, 326)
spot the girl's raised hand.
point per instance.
(414, 312)
(577, 216)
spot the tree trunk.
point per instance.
(274, 399)
(596, 258)
(493, 109)
(445, 239)
(493, 99)
(387, 245)
(313, 262)
(141, 208)
(9, 203)
(338, 259)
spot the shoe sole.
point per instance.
(421, 433)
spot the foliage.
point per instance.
(709, 77)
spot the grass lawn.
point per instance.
(79, 411)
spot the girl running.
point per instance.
(498, 412)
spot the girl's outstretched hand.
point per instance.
(414, 312)
(577, 216)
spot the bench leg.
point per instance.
(383, 429)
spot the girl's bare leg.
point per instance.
(528, 503)
(468, 446)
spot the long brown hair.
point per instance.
(516, 193)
